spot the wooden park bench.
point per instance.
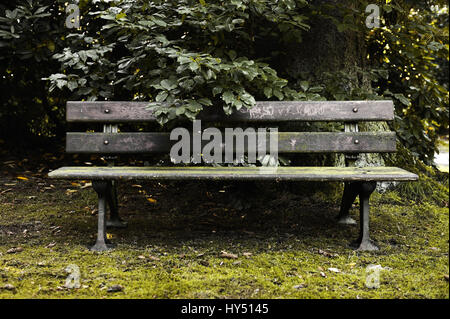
(360, 181)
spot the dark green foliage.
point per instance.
(30, 33)
(409, 50)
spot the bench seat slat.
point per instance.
(288, 142)
(236, 173)
(267, 111)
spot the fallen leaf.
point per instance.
(299, 286)
(154, 258)
(86, 185)
(5, 191)
(56, 229)
(323, 274)
(115, 288)
(334, 270)
(141, 257)
(224, 254)
(50, 245)
(247, 254)
(9, 287)
(327, 254)
(151, 200)
(446, 277)
(22, 178)
(14, 250)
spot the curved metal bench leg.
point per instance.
(114, 220)
(102, 189)
(364, 243)
(351, 190)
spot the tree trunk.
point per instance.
(326, 51)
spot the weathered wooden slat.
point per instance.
(288, 142)
(330, 142)
(237, 173)
(268, 111)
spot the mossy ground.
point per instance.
(180, 232)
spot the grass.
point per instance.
(285, 244)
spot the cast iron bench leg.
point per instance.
(102, 188)
(364, 243)
(114, 220)
(351, 190)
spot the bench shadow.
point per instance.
(180, 212)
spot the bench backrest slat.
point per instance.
(288, 142)
(338, 111)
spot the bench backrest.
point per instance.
(110, 141)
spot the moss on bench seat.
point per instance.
(238, 173)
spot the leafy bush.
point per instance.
(185, 54)
(409, 49)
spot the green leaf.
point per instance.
(304, 85)
(162, 96)
(278, 94)
(193, 66)
(402, 99)
(194, 106)
(228, 97)
(205, 101)
(180, 110)
(217, 90)
(121, 15)
(169, 84)
(72, 85)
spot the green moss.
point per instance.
(283, 233)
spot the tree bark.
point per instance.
(324, 51)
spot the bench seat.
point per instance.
(304, 173)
